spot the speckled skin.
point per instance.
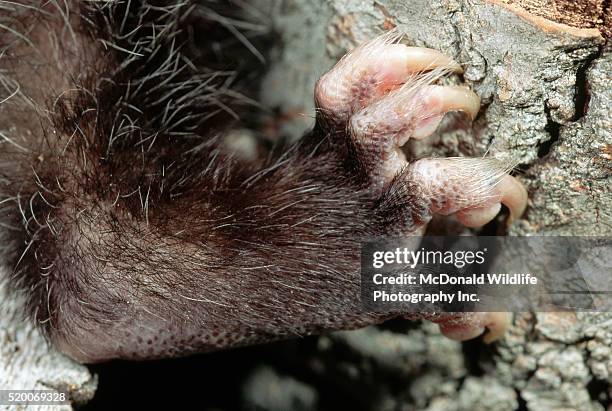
(135, 235)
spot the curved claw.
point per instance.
(369, 72)
(510, 193)
(442, 99)
(513, 195)
(435, 101)
(423, 59)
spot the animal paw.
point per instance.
(382, 94)
(373, 101)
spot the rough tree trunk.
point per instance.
(27, 363)
(543, 72)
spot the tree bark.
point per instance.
(28, 363)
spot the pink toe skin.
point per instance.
(477, 217)
(472, 188)
(423, 106)
(373, 69)
(427, 127)
(496, 324)
(461, 332)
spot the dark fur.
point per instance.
(132, 232)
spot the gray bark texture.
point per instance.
(546, 103)
(27, 363)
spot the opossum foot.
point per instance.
(380, 95)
